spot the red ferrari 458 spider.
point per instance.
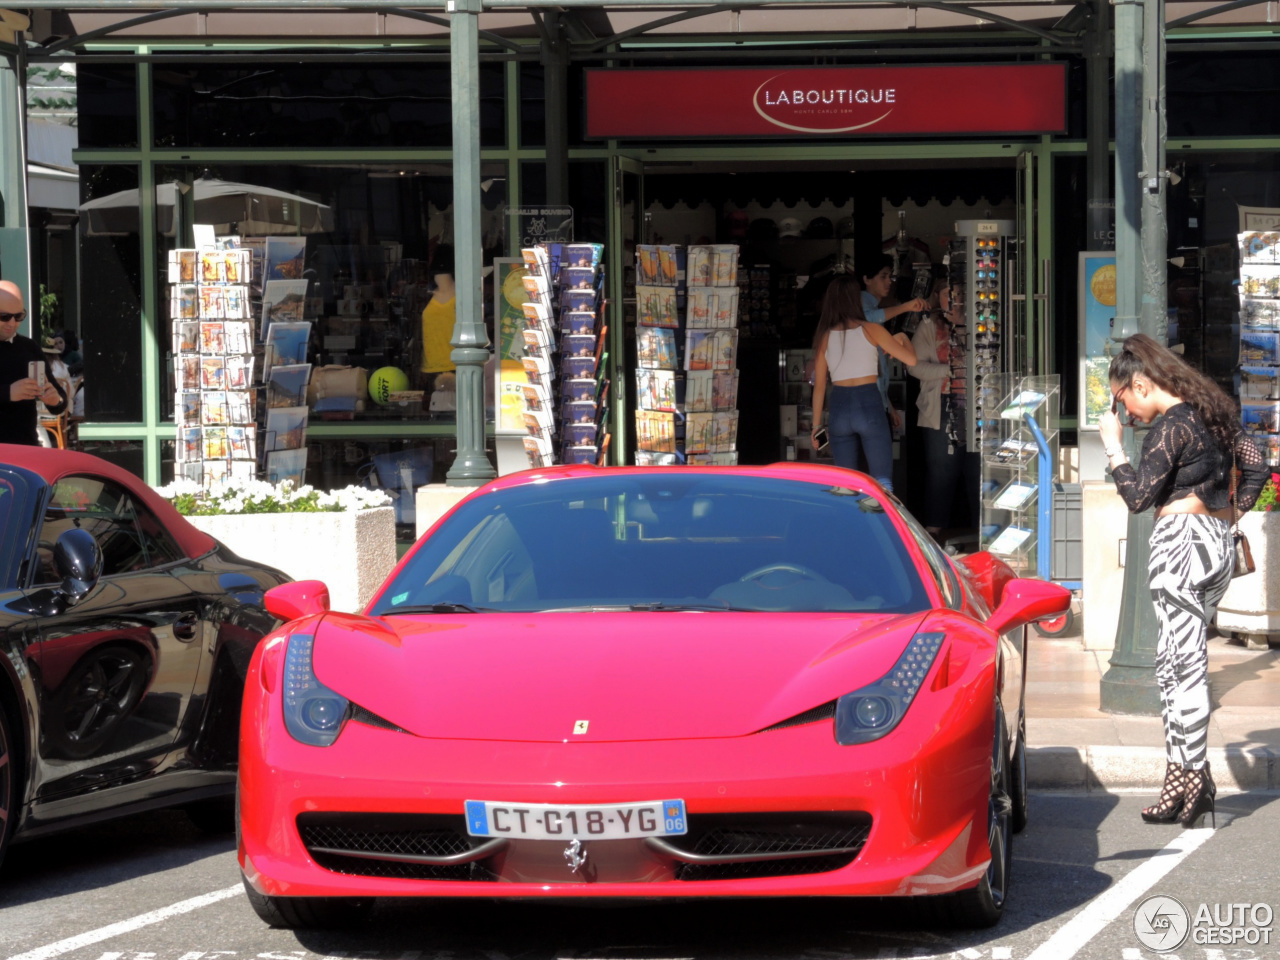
(690, 682)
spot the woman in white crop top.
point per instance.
(847, 351)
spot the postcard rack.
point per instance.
(1260, 340)
(566, 396)
(1016, 432)
(686, 353)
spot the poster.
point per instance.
(1097, 300)
(509, 299)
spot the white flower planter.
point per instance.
(352, 551)
(1252, 603)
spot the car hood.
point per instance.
(630, 676)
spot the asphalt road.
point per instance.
(154, 888)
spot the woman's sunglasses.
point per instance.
(1128, 419)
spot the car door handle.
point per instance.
(184, 628)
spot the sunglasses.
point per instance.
(1129, 419)
(13, 317)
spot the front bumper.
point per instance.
(924, 789)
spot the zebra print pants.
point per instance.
(1191, 564)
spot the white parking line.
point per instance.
(127, 926)
(1109, 904)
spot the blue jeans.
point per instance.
(858, 423)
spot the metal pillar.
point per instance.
(1141, 239)
(1098, 42)
(15, 239)
(555, 86)
(470, 341)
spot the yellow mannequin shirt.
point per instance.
(437, 330)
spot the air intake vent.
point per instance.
(371, 719)
(825, 712)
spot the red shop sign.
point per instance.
(827, 101)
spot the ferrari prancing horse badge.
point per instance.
(580, 726)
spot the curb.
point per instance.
(1120, 768)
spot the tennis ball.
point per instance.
(383, 381)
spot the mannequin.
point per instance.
(438, 318)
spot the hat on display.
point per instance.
(48, 346)
(736, 223)
(762, 230)
(789, 227)
(844, 228)
(820, 228)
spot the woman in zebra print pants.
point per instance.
(1186, 474)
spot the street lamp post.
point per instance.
(1142, 306)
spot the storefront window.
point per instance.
(317, 105)
(1223, 95)
(111, 293)
(107, 104)
(367, 235)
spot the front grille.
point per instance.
(765, 834)
(326, 835)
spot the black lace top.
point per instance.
(1180, 457)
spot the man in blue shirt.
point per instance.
(877, 281)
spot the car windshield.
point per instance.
(662, 541)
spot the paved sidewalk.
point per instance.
(1075, 745)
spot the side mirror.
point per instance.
(293, 601)
(1025, 601)
(988, 574)
(77, 560)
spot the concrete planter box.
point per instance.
(352, 551)
(1251, 606)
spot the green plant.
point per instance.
(48, 313)
(1267, 498)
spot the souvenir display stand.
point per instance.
(1019, 437)
(1260, 340)
(564, 361)
(686, 350)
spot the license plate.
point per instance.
(611, 821)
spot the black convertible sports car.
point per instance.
(125, 633)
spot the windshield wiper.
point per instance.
(658, 606)
(439, 608)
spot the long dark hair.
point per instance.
(1167, 370)
(840, 304)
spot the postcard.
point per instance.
(669, 264)
(289, 342)
(584, 389)
(244, 470)
(577, 367)
(1028, 401)
(656, 390)
(656, 431)
(583, 254)
(237, 265)
(184, 302)
(213, 373)
(724, 431)
(189, 404)
(284, 258)
(213, 408)
(182, 265)
(283, 301)
(215, 443)
(574, 300)
(288, 465)
(725, 264)
(239, 374)
(1260, 314)
(650, 458)
(186, 337)
(656, 307)
(188, 446)
(699, 391)
(700, 308)
(538, 450)
(1016, 495)
(535, 396)
(724, 389)
(1258, 347)
(580, 411)
(287, 385)
(699, 272)
(1260, 417)
(710, 349)
(578, 345)
(235, 302)
(656, 348)
(647, 267)
(187, 370)
(212, 303)
(1259, 383)
(538, 423)
(238, 336)
(725, 315)
(286, 428)
(580, 453)
(215, 470)
(578, 322)
(240, 406)
(1260, 247)
(1260, 280)
(698, 432)
(213, 338)
(1010, 540)
(580, 433)
(578, 278)
(212, 267)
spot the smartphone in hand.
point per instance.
(35, 371)
(821, 439)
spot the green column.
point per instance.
(15, 241)
(1129, 686)
(470, 341)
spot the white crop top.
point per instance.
(850, 354)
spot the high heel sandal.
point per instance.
(1201, 791)
(1172, 796)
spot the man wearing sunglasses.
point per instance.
(19, 391)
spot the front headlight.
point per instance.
(313, 714)
(870, 713)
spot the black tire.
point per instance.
(1019, 813)
(216, 816)
(1057, 627)
(296, 913)
(8, 783)
(983, 906)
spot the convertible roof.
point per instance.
(52, 465)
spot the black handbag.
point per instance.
(1242, 556)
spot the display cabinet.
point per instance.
(1019, 430)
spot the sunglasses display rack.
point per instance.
(687, 309)
(564, 360)
(1260, 340)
